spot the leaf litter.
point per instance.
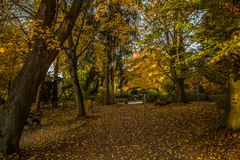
(144, 132)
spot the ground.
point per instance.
(191, 131)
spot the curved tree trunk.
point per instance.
(22, 93)
(25, 85)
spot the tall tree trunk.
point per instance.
(232, 114)
(121, 78)
(39, 94)
(77, 91)
(25, 85)
(21, 96)
(112, 84)
(90, 78)
(74, 75)
(177, 80)
(107, 80)
(9, 87)
(96, 88)
(55, 83)
(179, 88)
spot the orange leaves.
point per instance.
(143, 70)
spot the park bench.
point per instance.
(121, 100)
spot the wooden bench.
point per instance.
(121, 100)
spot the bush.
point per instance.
(123, 94)
(169, 89)
(152, 96)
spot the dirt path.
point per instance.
(134, 132)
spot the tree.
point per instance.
(118, 29)
(13, 48)
(73, 56)
(39, 59)
(170, 27)
(219, 37)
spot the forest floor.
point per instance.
(191, 131)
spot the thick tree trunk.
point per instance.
(22, 93)
(232, 114)
(55, 83)
(25, 85)
(179, 88)
(38, 98)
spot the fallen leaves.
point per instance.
(189, 131)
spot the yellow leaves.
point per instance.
(125, 88)
(153, 66)
(150, 74)
(2, 50)
(100, 10)
(133, 132)
(238, 44)
(46, 34)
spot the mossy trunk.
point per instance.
(232, 114)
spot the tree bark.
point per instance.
(74, 75)
(96, 88)
(55, 83)
(77, 91)
(25, 85)
(107, 77)
(232, 114)
(90, 78)
(179, 88)
(112, 79)
(38, 98)
(107, 84)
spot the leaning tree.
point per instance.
(43, 49)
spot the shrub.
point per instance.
(152, 96)
(123, 94)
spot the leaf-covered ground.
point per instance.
(191, 131)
